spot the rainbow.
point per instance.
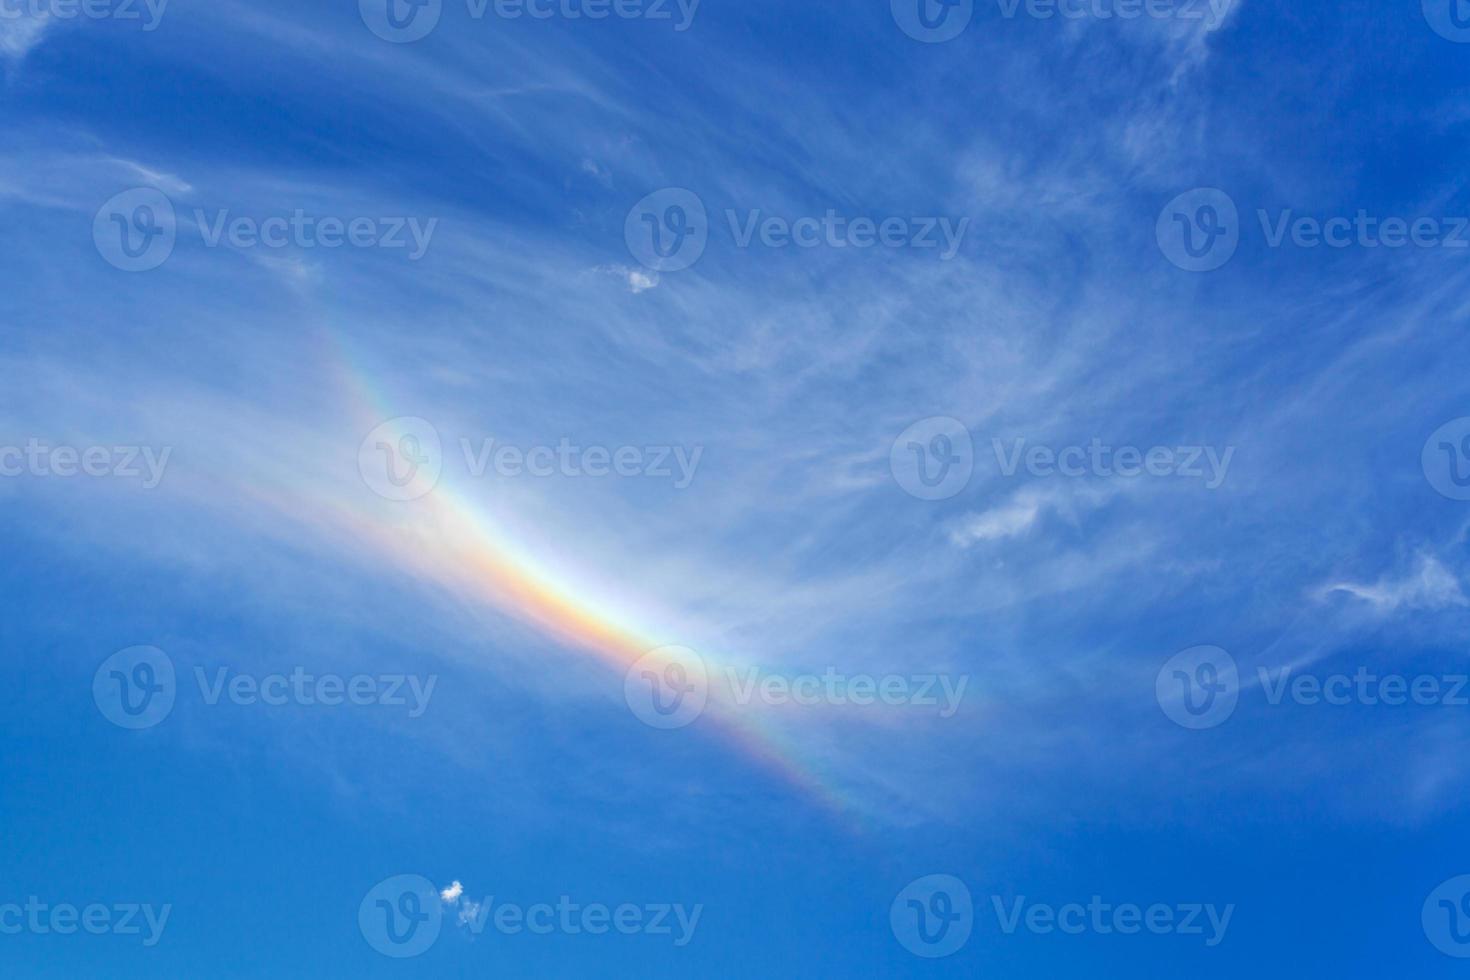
(454, 543)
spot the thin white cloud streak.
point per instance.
(1428, 586)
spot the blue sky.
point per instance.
(833, 489)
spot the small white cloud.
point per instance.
(168, 183)
(597, 171)
(638, 280)
(1006, 521)
(451, 894)
(1429, 586)
(20, 35)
